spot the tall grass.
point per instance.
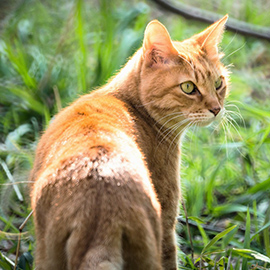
(52, 52)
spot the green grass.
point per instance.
(51, 52)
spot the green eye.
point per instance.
(218, 83)
(188, 87)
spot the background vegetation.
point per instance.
(53, 51)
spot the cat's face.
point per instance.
(183, 83)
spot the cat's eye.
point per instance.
(218, 83)
(188, 87)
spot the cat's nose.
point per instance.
(215, 111)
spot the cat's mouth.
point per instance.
(204, 119)
(201, 121)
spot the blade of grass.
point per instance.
(216, 238)
(5, 262)
(10, 177)
(266, 235)
(247, 239)
(255, 218)
(28, 99)
(81, 58)
(263, 186)
(228, 237)
(265, 226)
(9, 223)
(203, 234)
(19, 63)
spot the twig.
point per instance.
(234, 25)
(57, 98)
(19, 239)
(205, 226)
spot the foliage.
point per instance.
(53, 51)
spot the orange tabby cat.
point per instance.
(106, 171)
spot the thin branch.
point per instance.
(234, 25)
(19, 239)
(204, 226)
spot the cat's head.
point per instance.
(183, 82)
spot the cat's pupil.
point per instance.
(187, 87)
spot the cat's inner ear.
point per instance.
(210, 38)
(157, 44)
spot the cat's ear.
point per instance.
(157, 44)
(210, 38)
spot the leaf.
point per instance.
(217, 237)
(25, 261)
(250, 254)
(203, 234)
(196, 219)
(229, 208)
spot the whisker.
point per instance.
(224, 50)
(170, 131)
(238, 113)
(235, 51)
(234, 124)
(225, 134)
(177, 136)
(167, 131)
(235, 113)
(177, 115)
(186, 61)
(234, 101)
(227, 123)
(173, 128)
(169, 115)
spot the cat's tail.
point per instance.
(84, 253)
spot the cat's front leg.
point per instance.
(169, 252)
(169, 213)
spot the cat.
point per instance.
(106, 173)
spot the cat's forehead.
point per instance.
(204, 70)
(197, 62)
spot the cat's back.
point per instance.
(94, 120)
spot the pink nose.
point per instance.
(215, 111)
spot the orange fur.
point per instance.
(106, 171)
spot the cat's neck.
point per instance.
(126, 84)
(126, 87)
